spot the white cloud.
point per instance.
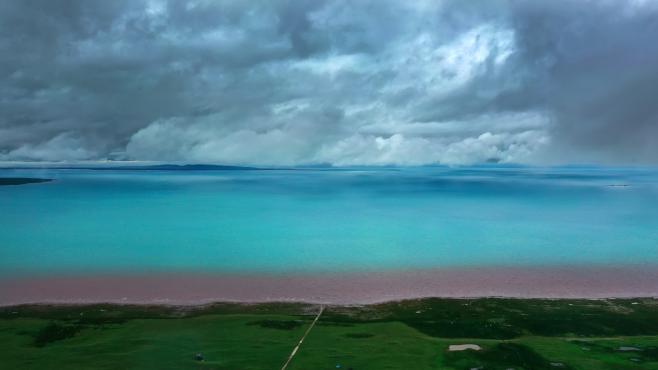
(63, 147)
(364, 82)
(201, 141)
(400, 150)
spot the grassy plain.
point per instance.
(513, 333)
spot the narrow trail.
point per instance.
(294, 351)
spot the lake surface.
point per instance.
(326, 220)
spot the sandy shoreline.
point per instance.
(339, 288)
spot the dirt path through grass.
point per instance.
(294, 351)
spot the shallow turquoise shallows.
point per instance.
(326, 220)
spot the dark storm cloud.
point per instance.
(344, 82)
(598, 74)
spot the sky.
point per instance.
(381, 82)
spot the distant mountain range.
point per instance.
(178, 167)
(156, 167)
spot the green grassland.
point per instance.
(513, 333)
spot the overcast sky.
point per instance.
(340, 82)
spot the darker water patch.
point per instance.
(6, 181)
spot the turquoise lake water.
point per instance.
(329, 220)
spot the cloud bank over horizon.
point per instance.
(339, 82)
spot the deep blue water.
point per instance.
(291, 220)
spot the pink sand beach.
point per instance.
(343, 288)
